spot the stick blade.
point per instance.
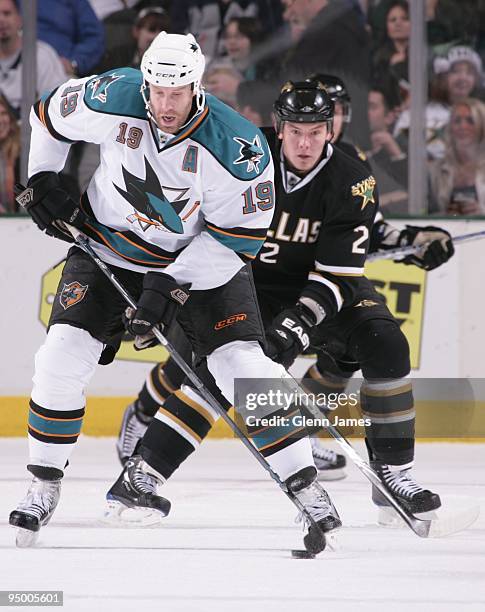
(454, 516)
(452, 522)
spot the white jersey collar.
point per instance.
(293, 182)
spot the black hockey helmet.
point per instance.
(303, 102)
(337, 91)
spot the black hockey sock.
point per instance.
(390, 436)
(181, 425)
(162, 380)
(329, 386)
(386, 395)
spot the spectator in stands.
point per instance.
(73, 30)
(458, 180)
(222, 80)
(460, 73)
(50, 72)
(456, 76)
(333, 40)
(149, 22)
(391, 54)
(254, 101)
(206, 18)
(387, 156)
(452, 21)
(105, 8)
(9, 156)
(240, 36)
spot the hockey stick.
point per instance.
(23, 196)
(422, 527)
(411, 250)
(83, 243)
(425, 528)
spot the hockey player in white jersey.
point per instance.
(180, 202)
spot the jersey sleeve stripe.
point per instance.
(246, 244)
(41, 109)
(127, 245)
(340, 270)
(115, 243)
(240, 232)
(315, 276)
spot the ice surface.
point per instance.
(226, 545)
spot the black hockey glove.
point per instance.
(49, 204)
(289, 334)
(439, 250)
(159, 303)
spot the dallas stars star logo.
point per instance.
(194, 47)
(250, 153)
(365, 189)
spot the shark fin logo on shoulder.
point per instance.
(250, 153)
(99, 87)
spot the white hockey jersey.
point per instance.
(195, 207)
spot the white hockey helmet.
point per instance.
(174, 60)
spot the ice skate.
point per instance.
(131, 431)
(406, 491)
(35, 510)
(330, 465)
(133, 498)
(319, 506)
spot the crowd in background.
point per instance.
(252, 47)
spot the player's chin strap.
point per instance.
(422, 527)
(199, 103)
(400, 252)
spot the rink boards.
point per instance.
(441, 314)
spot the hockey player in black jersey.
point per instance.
(311, 290)
(325, 374)
(384, 236)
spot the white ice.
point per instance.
(226, 544)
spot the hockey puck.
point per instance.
(302, 554)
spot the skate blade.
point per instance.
(117, 514)
(333, 541)
(25, 538)
(327, 475)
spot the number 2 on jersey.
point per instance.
(269, 255)
(356, 248)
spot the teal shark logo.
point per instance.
(148, 198)
(250, 153)
(99, 87)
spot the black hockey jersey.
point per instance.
(319, 237)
